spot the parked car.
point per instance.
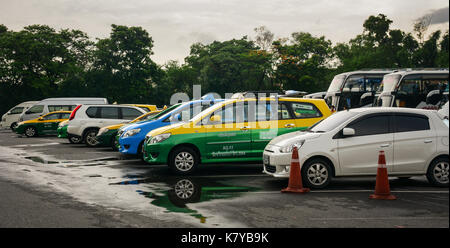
(236, 130)
(107, 135)
(11, 118)
(47, 124)
(131, 137)
(58, 104)
(426, 89)
(348, 143)
(86, 120)
(354, 89)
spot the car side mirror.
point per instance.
(348, 132)
(215, 119)
(40, 119)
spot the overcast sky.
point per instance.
(176, 24)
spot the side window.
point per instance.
(92, 112)
(232, 113)
(354, 83)
(410, 85)
(64, 116)
(283, 112)
(130, 113)
(16, 110)
(406, 123)
(36, 109)
(305, 110)
(434, 82)
(373, 125)
(53, 108)
(109, 112)
(373, 82)
(52, 117)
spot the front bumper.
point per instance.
(156, 153)
(275, 163)
(106, 138)
(62, 132)
(130, 145)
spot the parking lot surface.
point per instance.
(48, 182)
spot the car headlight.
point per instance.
(131, 132)
(159, 138)
(289, 148)
(102, 131)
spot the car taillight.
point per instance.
(72, 115)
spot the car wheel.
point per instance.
(89, 137)
(30, 131)
(437, 173)
(74, 139)
(316, 173)
(13, 125)
(114, 143)
(183, 160)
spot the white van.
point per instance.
(11, 118)
(55, 104)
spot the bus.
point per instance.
(354, 89)
(425, 89)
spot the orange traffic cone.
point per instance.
(382, 190)
(295, 177)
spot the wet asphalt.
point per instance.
(48, 182)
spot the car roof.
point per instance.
(429, 72)
(374, 71)
(391, 109)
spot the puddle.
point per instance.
(41, 160)
(184, 191)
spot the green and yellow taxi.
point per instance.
(236, 130)
(62, 133)
(107, 135)
(146, 107)
(46, 124)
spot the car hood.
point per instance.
(166, 128)
(289, 138)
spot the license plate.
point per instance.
(266, 159)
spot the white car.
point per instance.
(86, 120)
(347, 143)
(11, 118)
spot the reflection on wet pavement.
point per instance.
(184, 191)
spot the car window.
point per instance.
(372, 125)
(354, 83)
(36, 109)
(332, 122)
(188, 112)
(51, 117)
(16, 110)
(145, 109)
(92, 112)
(109, 113)
(232, 113)
(130, 113)
(64, 116)
(407, 123)
(53, 108)
(305, 110)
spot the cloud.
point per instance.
(439, 16)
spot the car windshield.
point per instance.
(336, 84)
(331, 122)
(389, 82)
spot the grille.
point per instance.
(271, 168)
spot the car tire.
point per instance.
(13, 125)
(89, 137)
(30, 132)
(183, 160)
(74, 139)
(437, 173)
(316, 173)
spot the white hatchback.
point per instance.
(347, 143)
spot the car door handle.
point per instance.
(290, 125)
(384, 145)
(245, 128)
(427, 141)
